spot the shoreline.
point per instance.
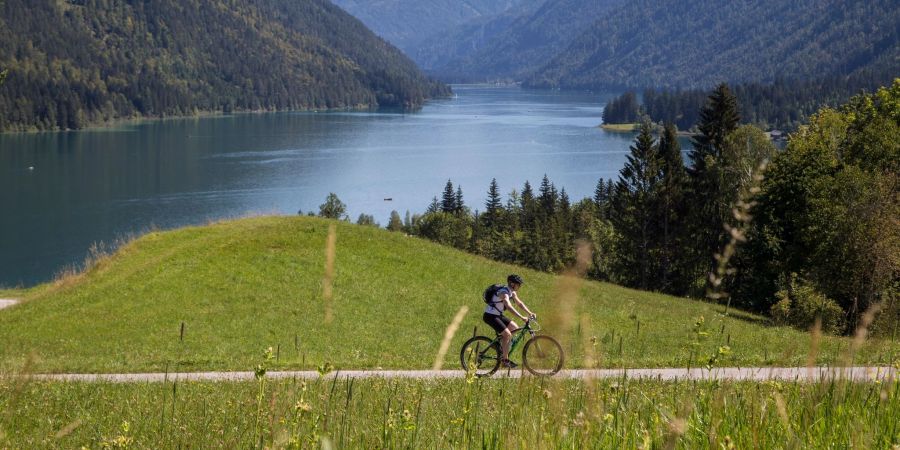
(633, 128)
(111, 125)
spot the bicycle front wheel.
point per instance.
(480, 356)
(543, 356)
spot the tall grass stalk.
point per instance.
(448, 337)
(328, 279)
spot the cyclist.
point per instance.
(493, 314)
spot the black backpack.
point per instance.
(491, 291)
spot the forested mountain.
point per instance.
(513, 46)
(782, 104)
(408, 23)
(698, 43)
(77, 62)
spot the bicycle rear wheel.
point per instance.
(543, 356)
(480, 355)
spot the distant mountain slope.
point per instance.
(518, 47)
(407, 23)
(76, 62)
(697, 43)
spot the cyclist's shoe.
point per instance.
(509, 364)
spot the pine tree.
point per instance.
(395, 224)
(448, 200)
(610, 197)
(718, 118)
(547, 197)
(526, 200)
(408, 221)
(492, 205)
(600, 194)
(566, 222)
(671, 212)
(434, 207)
(459, 203)
(634, 207)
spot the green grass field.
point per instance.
(241, 286)
(499, 413)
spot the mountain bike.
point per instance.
(542, 355)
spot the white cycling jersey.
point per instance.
(496, 306)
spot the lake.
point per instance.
(60, 192)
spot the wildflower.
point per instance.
(303, 406)
(728, 444)
(325, 369)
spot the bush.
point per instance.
(367, 220)
(888, 319)
(333, 208)
(445, 228)
(800, 304)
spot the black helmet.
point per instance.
(514, 279)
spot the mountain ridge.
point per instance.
(690, 44)
(82, 62)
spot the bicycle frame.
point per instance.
(516, 337)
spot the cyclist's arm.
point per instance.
(509, 306)
(522, 304)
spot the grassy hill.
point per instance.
(241, 286)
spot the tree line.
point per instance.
(816, 224)
(782, 105)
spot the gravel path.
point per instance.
(7, 302)
(721, 373)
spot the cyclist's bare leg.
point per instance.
(506, 337)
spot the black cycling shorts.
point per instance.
(498, 323)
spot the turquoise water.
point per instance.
(100, 185)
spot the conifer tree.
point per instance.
(634, 209)
(458, 201)
(526, 200)
(395, 224)
(671, 212)
(610, 197)
(448, 200)
(718, 118)
(408, 221)
(600, 193)
(434, 207)
(492, 205)
(547, 197)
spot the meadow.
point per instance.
(209, 297)
(476, 413)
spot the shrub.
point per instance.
(800, 304)
(888, 319)
(368, 220)
(333, 208)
